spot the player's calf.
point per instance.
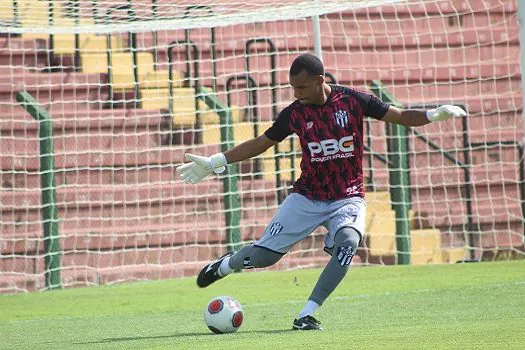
(252, 256)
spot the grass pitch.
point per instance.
(461, 306)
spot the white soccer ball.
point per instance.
(223, 315)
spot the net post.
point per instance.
(521, 20)
(48, 184)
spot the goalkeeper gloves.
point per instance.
(445, 112)
(200, 167)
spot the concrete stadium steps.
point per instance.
(93, 208)
(21, 53)
(94, 96)
(161, 244)
(45, 81)
(399, 72)
(101, 158)
(75, 276)
(439, 63)
(361, 28)
(470, 92)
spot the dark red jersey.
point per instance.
(331, 139)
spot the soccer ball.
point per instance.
(223, 315)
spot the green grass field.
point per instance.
(462, 306)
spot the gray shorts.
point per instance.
(298, 216)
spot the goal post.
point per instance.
(130, 86)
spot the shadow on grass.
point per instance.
(177, 335)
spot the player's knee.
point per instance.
(346, 242)
(347, 236)
(261, 257)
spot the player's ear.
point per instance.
(319, 79)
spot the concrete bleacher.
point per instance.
(121, 206)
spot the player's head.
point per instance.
(307, 78)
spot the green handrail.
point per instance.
(48, 183)
(399, 177)
(231, 193)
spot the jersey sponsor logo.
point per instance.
(331, 149)
(341, 118)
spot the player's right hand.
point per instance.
(200, 167)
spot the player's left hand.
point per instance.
(445, 112)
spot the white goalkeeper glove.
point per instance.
(445, 112)
(200, 167)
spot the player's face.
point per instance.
(307, 89)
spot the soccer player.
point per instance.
(328, 119)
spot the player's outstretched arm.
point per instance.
(412, 117)
(200, 167)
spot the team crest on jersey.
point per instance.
(341, 118)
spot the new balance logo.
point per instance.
(275, 228)
(341, 118)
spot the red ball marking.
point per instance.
(237, 319)
(215, 306)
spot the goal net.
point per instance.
(123, 89)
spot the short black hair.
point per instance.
(309, 63)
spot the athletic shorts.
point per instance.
(297, 217)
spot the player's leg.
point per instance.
(295, 219)
(348, 223)
(346, 243)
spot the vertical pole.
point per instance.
(51, 23)
(399, 177)
(16, 14)
(521, 20)
(400, 192)
(155, 36)
(47, 171)
(317, 36)
(132, 37)
(231, 193)
(76, 12)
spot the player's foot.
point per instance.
(306, 323)
(210, 273)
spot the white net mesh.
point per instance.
(102, 16)
(123, 214)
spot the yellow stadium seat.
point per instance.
(453, 255)
(270, 170)
(64, 44)
(243, 131)
(378, 201)
(122, 67)
(122, 62)
(36, 12)
(380, 230)
(183, 102)
(159, 80)
(184, 107)
(425, 247)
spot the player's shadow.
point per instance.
(177, 335)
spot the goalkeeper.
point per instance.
(328, 119)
